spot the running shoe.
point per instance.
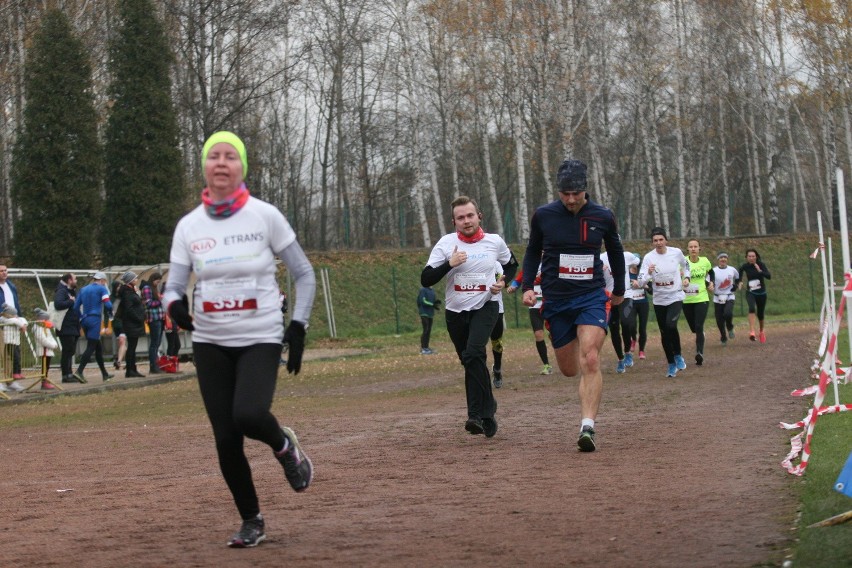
(47, 386)
(78, 376)
(699, 359)
(107, 377)
(762, 337)
(724, 340)
(628, 359)
(546, 369)
(251, 534)
(681, 364)
(16, 386)
(498, 377)
(620, 368)
(586, 441)
(489, 427)
(297, 466)
(751, 336)
(641, 354)
(474, 426)
(731, 333)
(3, 387)
(672, 370)
(425, 351)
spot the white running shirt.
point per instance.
(723, 283)
(469, 284)
(669, 271)
(629, 260)
(236, 296)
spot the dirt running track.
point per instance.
(687, 472)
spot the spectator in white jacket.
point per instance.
(43, 335)
(13, 326)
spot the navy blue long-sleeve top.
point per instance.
(569, 248)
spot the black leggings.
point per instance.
(470, 332)
(756, 303)
(641, 310)
(621, 327)
(695, 315)
(237, 385)
(497, 342)
(725, 317)
(667, 317)
(93, 346)
(426, 322)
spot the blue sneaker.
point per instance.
(672, 370)
(681, 364)
(628, 359)
(620, 368)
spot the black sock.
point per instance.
(541, 346)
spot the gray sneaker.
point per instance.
(586, 441)
(297, 466)
(498, 377)
(250, 534)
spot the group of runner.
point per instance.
(230, 242)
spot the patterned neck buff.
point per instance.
(226, 207)
(475, 238)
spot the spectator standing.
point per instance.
(90, 303)
(9, 295)
(427, 304)
(156, 315)
(132, 314)
(69, 328)
(45, 340)
(117, 327)
(13, 327)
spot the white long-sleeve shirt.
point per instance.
(666, 271)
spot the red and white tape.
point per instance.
(828, 347)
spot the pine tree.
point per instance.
(56, 163)
(144, 185)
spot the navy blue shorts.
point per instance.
(563, 316)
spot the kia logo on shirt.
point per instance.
(202, 245)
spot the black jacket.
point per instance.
(131, 311)
(63, 299)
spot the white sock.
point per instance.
(587, 422)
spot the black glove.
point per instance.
(179, 312)
(294, 337)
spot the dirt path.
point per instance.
(687, 472)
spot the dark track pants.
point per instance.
(470, 332)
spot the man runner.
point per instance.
(467, 258)
(566, 235)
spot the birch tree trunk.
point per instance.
(726, 190)
(678, 128)
(489, 172)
